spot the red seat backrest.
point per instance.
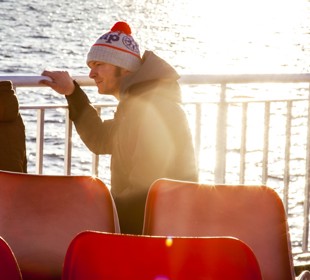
(9, 269)
(40, 214)
(253, 214)
(97, 255)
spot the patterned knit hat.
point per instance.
(117, 47)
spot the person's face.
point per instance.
(107, 77)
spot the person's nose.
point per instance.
(92, 74)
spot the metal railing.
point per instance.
(238, 109)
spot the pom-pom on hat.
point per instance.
(117, 47)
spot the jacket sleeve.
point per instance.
(95, 133)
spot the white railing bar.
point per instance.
(245, 78)
(62, 106)
(33, 81)
(40, 141)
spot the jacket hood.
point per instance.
(153, 68)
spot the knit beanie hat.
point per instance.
(117, 47)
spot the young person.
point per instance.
(149, 137)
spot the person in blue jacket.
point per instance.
(149, 137)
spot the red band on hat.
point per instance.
(119, 49)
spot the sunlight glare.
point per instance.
(169, 241)
(241, 32)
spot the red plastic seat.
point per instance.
(97, 255)
(9, 269)
(41, 214)
(253, 214)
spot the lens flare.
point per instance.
(169, 241)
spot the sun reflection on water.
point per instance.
(243, 36)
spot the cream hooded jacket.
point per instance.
(149, 137)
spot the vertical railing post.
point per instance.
(266, 143)
(40, 140)
(243, 142)
(286, 175)
(198, 133)
(305, 235)
(68, 145)
(220, 167)
(95, 164)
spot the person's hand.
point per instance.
(61, 81)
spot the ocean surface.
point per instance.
(195, 36)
